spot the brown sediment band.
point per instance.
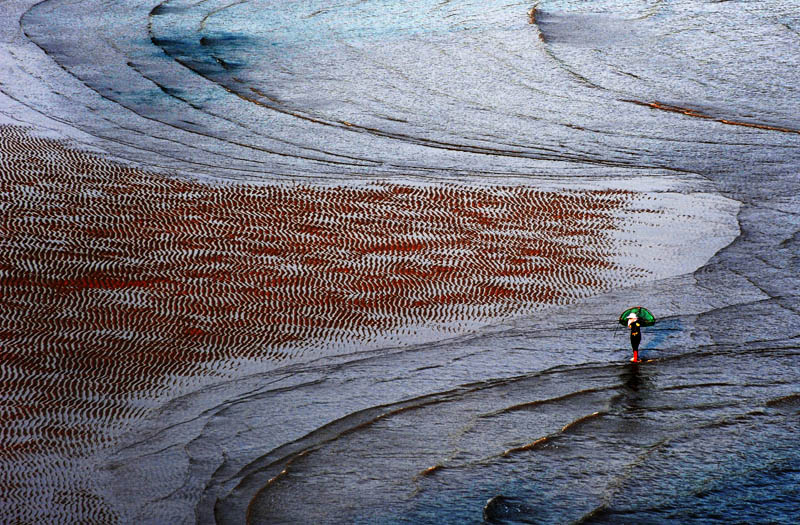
(547, 439)
(698, 114)
(430, 470)
(581, 420)
(530, 446)
(791, 401)
(539, 402)
(120, 283)
(286, 469)
(532, 14)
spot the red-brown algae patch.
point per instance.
(117, 280)
(689, 112)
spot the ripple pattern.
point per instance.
(647, 464)
(241, 267)
(122, 284)
(424, 130)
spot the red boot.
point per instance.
(635, 356)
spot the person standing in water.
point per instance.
(636, 335)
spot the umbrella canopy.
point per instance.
(644, 315)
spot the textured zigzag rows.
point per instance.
(116, 281)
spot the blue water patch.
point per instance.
(764, 495)
(208, 55)
(314, 23)
(655, 337)
(485, 501)
(758, 494)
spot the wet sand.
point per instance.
(123, 286)
(296, 252)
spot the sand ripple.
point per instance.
(122, 286)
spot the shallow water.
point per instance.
(361, 262)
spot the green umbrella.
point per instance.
(644, 315)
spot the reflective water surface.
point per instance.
(299, 262)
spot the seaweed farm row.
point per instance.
(120, 284)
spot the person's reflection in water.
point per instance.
(635, 385)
